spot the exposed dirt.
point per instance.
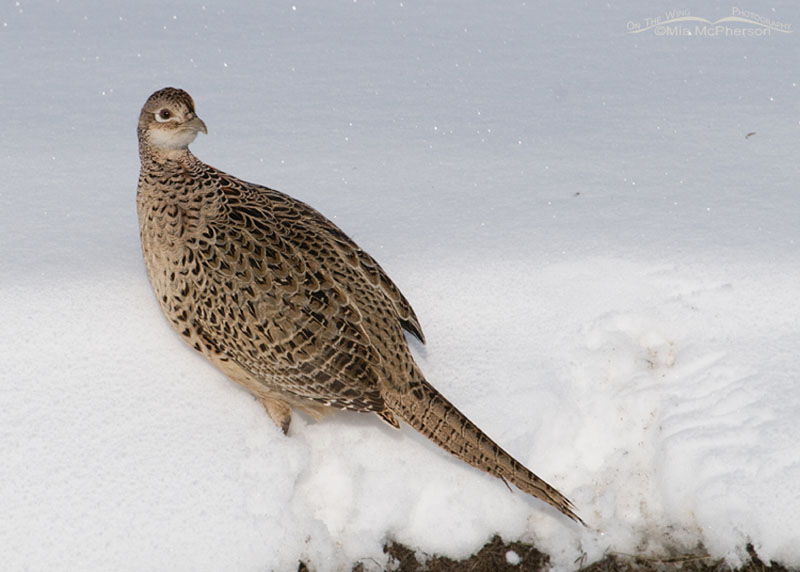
(497, 556)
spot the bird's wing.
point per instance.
(375, 274)
(317, 322)
(314, 230)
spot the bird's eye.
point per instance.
(163, 115)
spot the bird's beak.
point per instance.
(196, 124)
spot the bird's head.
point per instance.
(168, 123)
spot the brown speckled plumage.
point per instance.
(283, 302)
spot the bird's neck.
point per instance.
(166, 159)
(160, 159)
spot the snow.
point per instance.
(605, 267)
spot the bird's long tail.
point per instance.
(427, 411)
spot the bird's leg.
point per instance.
(280, 411)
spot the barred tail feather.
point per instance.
(427, 411)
